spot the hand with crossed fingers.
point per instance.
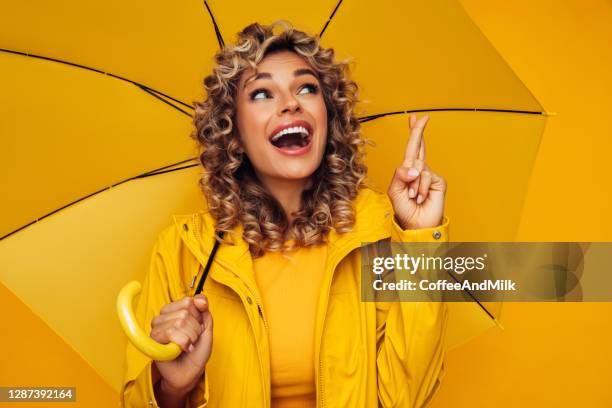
(416, 192)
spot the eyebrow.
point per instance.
(267, 75)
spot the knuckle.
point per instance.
(198, 318)
(195, 312)
(183, 342)
(184, 314)
(154, 334)
(169, 332)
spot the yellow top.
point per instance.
(289, 286)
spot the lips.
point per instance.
(292, 139)
(295, 123)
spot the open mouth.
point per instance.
(292, 138)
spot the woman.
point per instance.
(284, 181)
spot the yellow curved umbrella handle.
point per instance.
(138, 337)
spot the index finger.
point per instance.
(413, 147)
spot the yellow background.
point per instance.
(549, 354)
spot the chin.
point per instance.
(300, 174)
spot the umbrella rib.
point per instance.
(162, 94)
(165, 171)
(153, 172)
(161, 170)
(330, 19)
(99, 71)
(155, 95)
(380, 115)
(217, 31)
(473, 297)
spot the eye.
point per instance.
(312, 87)
(255, 94)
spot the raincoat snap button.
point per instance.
(150, 402)
(249, 300)
(437, 234)
(186, 227)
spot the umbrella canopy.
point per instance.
(104, 95)
(69, 132)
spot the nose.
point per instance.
(289, 104)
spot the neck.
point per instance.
(287, 192)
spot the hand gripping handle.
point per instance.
(138, 337)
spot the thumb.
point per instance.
(401, 178)
(201, 302)
(201, 348)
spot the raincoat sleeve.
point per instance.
(410, 339)
(137, 385)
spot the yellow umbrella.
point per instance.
(103, 96)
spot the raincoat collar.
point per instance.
(372, 223)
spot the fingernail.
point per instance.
(419, 199)
(413, 172)
(411, 193)
(191, 348)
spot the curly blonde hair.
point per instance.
(230, 185)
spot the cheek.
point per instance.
(319, 112)
(322, 122)
(251, 127)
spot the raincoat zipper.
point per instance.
(334, 264)
(253, 294)
(345, 249)
(258, 301)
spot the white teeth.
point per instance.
(296, 129)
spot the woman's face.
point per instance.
(281, 118)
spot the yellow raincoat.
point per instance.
(367, 354)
